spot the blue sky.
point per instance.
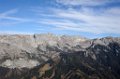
(89, 18)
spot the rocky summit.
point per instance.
(48, 56)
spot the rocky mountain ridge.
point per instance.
(33, 49)
(47, 56)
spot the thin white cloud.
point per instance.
(114, 11)
(6, 18)
(81, 20)
(85, 2)
(12, 11)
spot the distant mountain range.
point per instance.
(48, 56)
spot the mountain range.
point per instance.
(49, 56)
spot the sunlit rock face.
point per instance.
(47, 56)
(19, 51)
(93, 59)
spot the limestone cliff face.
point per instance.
(32, 50)
(47, 56)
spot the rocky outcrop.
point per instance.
(46, 56)
(32, 50)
